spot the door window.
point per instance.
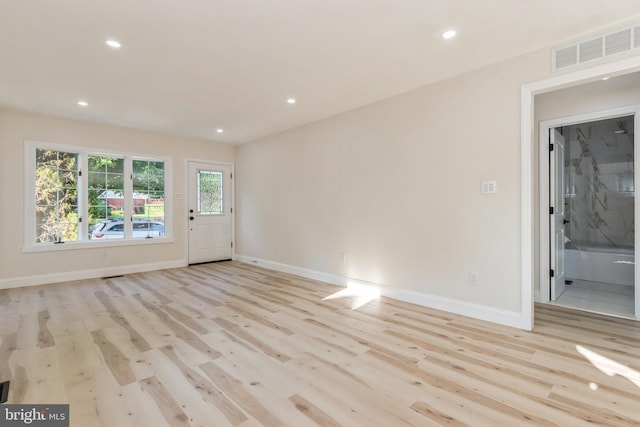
(209, 193)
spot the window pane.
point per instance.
(140, 181)
(148, 199)
(105, 197)
(115, 165)
(96, 180)
(155, 206)
(115, 181)
(97, 208)
(209, 193)
(56, 196)
(69, 195)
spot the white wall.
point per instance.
(396, 186)
(588, 98)
(18, 268)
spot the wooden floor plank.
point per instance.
(171, 411)
(118, 363)
(240, 394)
(206, 389)
(232, 344)
(141, 344)
(313, 412)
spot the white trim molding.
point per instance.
(298, 271)
(528, 174)
(477, 311)
(44, 279)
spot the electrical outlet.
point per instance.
(473, 278)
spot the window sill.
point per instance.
(88, 244)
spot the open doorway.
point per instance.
(561, 95)
(592, 213)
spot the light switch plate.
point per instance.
(489, 187)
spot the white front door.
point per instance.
(209, 212)
(557, 219)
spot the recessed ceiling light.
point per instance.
(83, 103)
(606, 78)
(114, 44)
(448, 34)
(219, 130)
(291, 101)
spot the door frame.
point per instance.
(185, 203)
(529, 239)
(545, 193)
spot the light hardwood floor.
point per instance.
(230, 344)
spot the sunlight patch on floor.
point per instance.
(361, 294)
(608, 366)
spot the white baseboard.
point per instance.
(299, 271)
(464, 308)
(477, 311)
(43, 279)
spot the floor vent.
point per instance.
(4, 392)
(608, 44)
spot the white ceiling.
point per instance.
(189, 67)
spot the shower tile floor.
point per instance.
(599, 297)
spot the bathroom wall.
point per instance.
(599, 187)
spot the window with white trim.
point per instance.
(80, 195)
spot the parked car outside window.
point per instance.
(114, 229)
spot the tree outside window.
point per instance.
(79, 193)
(56, 196)
(148, 190)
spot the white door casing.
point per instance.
(209, 212)
(557, 219)
(529, 174)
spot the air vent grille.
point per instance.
(566, 56)
(617, 42)
(590, 50)
(612, 43)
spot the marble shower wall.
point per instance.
(599, 187)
